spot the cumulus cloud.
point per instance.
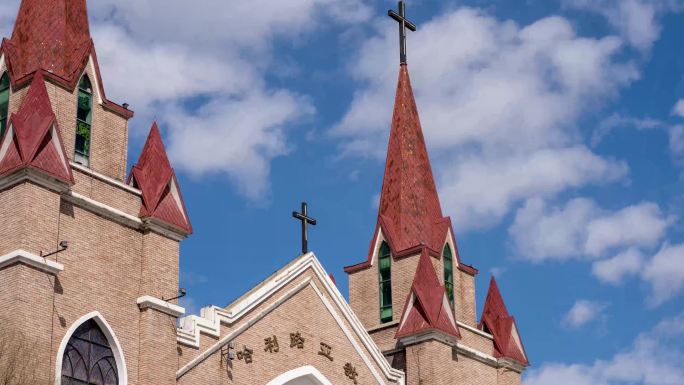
(679, 108)
(653, 359)
(582, 313)
(615, 269)
(665, 273)
(582, 229)
(499, 104)
(636, 20)
(202, 72)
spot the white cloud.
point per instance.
(582, 229)
(202, 72)
(614, 270)
(653, 359)
(582, 313)
(636, 20)
(679, 108)
(665, 273)
(499, 105)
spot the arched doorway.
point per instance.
(90, 354)
(306, 375)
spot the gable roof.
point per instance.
(427, 306)
(33, 139)
(53, 37)
(496, 320)
(154, 176)
(213, 317)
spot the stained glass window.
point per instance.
(4, 101)
(84, 119)
(385, 275)
(448, 273)
(88, 359)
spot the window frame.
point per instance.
(448, 259)
(85, 89)
(5, 92)
(385, 302)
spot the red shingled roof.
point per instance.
(409, 215)
(496, 320)
(33, 138)
(156, 179)
(53, 37)
(427, 306)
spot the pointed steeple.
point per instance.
(155, 177)
(496, 321)
(50, 35)
(409, 205)
(427, 306)
(33, 138)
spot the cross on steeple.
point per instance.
(404, 23)
(306, 220)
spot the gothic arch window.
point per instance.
(88, 358)
(84, 121)
(385, 279)
(4, 101)
(448, 272)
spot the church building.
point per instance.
(89, 257)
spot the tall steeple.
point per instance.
(50, 35)
(409, 210)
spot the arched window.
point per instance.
(385, 275)
(4, 101)
(84, 121)
(448, 272)
(88, 358)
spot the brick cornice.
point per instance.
(30, 259)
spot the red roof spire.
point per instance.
(409, 205)
(427, 307)
(496, 320)
(50, 35)
(33, 138)
(156, 179)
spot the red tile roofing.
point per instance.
(33, 138)
(496, 320)
(409, 215)
(156, 179)
(427, 307)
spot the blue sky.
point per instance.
(555, 129)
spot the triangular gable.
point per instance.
(427, 307)
(268, 296)
(33, 138)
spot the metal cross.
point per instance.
(306, 220)
(403, 24)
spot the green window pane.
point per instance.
(448, 273)
(85, 107)
(4, 102)
(82, 138)
(385, 282)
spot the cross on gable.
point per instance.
(404, 23)
(306, 220)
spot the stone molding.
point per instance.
(149, 302)
(29, 259)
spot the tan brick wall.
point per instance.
(158, 355)
(465, 302)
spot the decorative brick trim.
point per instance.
(103, 209)
(29, 259)
(475, 330)
(149, 302)
(105, 178)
